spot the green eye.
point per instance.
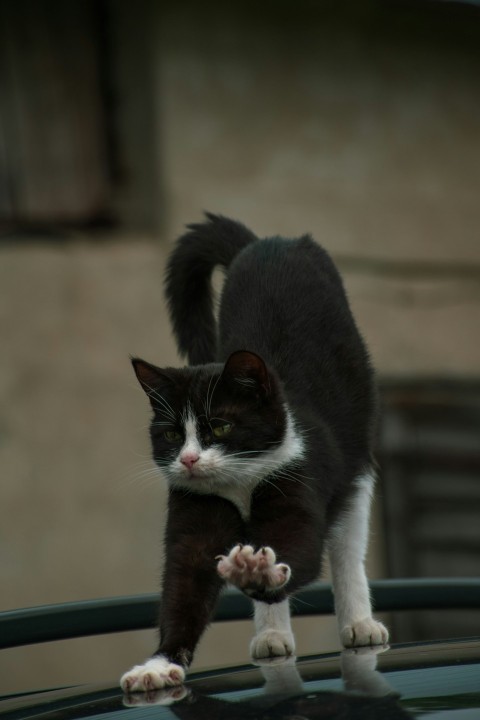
(172, 436)
(221, 430)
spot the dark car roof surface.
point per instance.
(439, 679)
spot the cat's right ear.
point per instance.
(248, 372)
(152, 379)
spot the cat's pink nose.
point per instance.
(189, 459)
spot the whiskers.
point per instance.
(254, 465)
(164, 408)
(208, 400)
(142, 476)
(234, 475)
(244, 469)
(293, 476)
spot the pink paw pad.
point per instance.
(248, 569)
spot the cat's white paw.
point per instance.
(246, 568)
(154, 674)
(364, 632)
(272, 643)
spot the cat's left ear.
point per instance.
(248, 372)
(150, 377)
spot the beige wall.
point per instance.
(363, 132)
(365, 137)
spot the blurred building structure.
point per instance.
(119, 123)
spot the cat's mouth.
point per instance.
(192, 465)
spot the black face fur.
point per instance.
(232, 417)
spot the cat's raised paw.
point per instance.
(364, 632)
(154, 674)
(272, 643)
(253, 571)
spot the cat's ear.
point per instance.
(248, 372)
(151, 378)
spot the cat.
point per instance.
(265, 441)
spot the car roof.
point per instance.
(441, 679)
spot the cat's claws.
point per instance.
(250, 570)
(155, 674)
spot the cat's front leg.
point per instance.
(258, 574)
(273, 631)
(285, 553)
(198, 528)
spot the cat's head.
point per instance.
(214, 425)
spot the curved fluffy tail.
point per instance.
(188, 282)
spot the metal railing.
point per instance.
(138, 612)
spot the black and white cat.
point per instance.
(265, 441)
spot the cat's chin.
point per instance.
(198, 473)
(202, 481)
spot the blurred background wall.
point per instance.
(119, 123)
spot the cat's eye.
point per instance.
(221, 430)
(172, 436)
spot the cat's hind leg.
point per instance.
(347, 546)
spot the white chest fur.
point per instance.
(240, 495)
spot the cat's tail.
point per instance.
(188, 282)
